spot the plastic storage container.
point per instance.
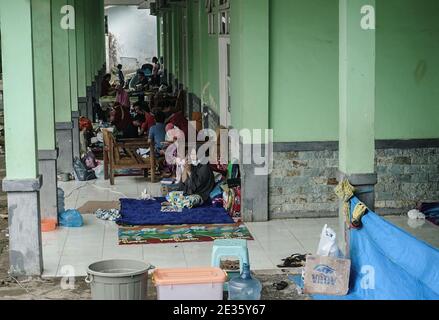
(118, 280)
(190, 284)
(244, 287)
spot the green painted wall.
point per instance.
(43, 73)
(250, 57)
(203, 71)
(407, 84)
(304, 67)
(304, 70)
(61, 65)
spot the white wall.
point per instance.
(135, 31)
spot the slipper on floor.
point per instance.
(280, 286)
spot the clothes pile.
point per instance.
(227, 192)
(177, 201)
(108, 215)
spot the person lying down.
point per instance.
(197, 183)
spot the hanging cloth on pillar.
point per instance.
(345, 191)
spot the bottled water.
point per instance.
(244, 287)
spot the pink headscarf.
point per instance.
(123, 98)
(169, 127)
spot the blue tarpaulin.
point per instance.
(389, 264)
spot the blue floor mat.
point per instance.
(148, 213)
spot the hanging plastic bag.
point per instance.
(328, 244)
(71, 219)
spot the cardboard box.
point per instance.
(327, 276)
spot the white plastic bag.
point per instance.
(328, 244)
(416, 215)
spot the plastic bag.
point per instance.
(328, 244)
(99, 171)
(81, 172)
(71, 219)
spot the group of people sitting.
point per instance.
(148, 75)
(161, 127)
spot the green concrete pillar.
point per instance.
(167, 46)
(174, 47)
(81, 56)
(175, 27)
(159, 38)
(357, 89)
(250, 45)
(62, 88)
(204, 50)
(73, 62)
(23, 181)
(357, 98)
(101, 45)
(93, 45)
(103, 52)
(45, 108)
(192, 59)
(88, 58)
(74, 82)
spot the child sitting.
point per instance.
(157, 134)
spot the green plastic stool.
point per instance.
(230, 248)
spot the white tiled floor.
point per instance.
(98, 240)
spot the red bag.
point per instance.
(85, 123)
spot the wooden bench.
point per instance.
(123, 155)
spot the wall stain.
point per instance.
(421, 70)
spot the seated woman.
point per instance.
(179, 120)
(197, 183)
(121, 118)
(198, 179)
(144, 119)
(106, 88)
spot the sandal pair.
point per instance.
(296, 260)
